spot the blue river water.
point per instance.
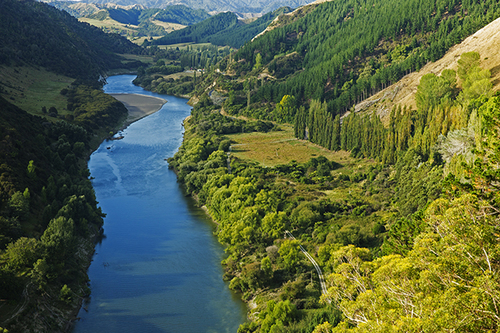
(158, 268)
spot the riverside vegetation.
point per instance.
(407, 237)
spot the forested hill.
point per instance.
(49, 217)
(38, 34)
(236, 37)
(201, 32)
(223, 29)
(343, 52)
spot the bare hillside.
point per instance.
(485, 41)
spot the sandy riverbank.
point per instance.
(139, 106)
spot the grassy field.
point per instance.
(280, 147)
(140, 40)
(30, 88)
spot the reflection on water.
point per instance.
(158, 269)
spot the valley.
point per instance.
(369, 130)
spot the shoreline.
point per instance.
(139, 106)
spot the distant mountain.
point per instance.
(133, 14)
(242, 7)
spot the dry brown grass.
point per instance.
(109, 23)
(485, 41)
(169, 27)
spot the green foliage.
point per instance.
(276, 316)
(286, 109)
(435, 90)
(223, 29)
(335, 59)
(19, 205)
(65, 294)
(289, 253)
(93, 109)
(200, 32)
(237, 36)
(446, 279)
(48, 207)
(57, 41)
(20, 255)
(31, 170)
(176, 14)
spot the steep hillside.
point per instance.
(37, 34)
(223, 30)
(138, 21)
(342, 53)
(485, 42)
(201, 32)
(236, 37)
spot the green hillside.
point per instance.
(199, 33)
(237, 36)
(343, 52)
(41, 35)
(224, 30)
(402, 215)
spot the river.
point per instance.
(158, 267)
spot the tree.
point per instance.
(467, 62)
(289, 253)
(276, 316)
(19, 205)
(285, 110)
(21, 255)
(267, 267)
(274, 224)
(258, 61)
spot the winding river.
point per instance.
(158, 267)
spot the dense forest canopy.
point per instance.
(343, 52)
(38, 34)
(201, 32)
